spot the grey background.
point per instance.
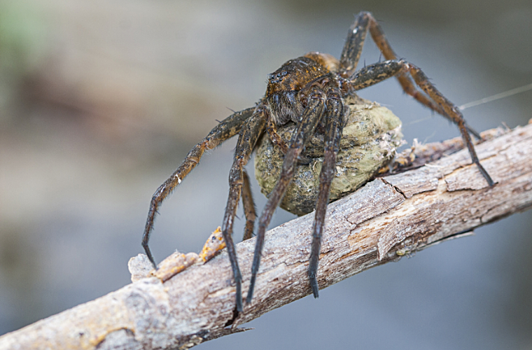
(101, 101)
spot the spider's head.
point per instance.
(288, 86)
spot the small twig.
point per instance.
(385, 220)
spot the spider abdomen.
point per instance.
(368, 143)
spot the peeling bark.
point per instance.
(388, 218)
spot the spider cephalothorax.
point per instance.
(289, 86)
(308, 102)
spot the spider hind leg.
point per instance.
(378, 72)
(405, 73)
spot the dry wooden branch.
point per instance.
(388, 218)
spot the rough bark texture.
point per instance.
(386, 219)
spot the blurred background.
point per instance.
(101, 100)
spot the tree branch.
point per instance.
(388, 218)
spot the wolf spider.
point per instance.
(309, 91)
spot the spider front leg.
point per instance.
(305, 129)
(247, 139)
(333, 132)
(380, 71)
(226, 129)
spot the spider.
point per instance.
(311, 92)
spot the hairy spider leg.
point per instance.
(226, 129)
(250, 133)
(333, 133)
(353, 48)
(249, 207)
(355, 41)
(309, 121)
(378, 72)
(454, 114)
